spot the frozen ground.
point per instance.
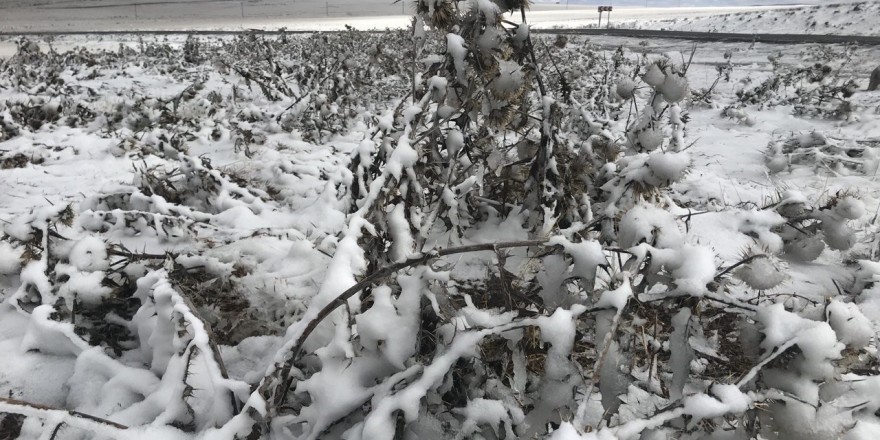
(267, 218)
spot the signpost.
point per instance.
(605, 9)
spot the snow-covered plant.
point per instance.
(706, 97)
(806, 227)
(638, 149)
(191, 50)
(798, 230)
(823, 154)
(817, 90)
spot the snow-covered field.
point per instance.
(833, 17)
(314, 237)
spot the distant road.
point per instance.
(631, 33)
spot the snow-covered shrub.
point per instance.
(796, 229)
(816, 90)
(739, 114)
(191, 50)
(824, 153)
(633, 140)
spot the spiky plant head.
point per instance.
(762, 272)
(437, 14)
(512, 5)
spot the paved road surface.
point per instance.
(632, 33)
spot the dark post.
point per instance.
(608, 10)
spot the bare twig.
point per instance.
(32, 409)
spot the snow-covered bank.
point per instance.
(852, 18)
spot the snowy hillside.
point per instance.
(853, 18)
(425, 234)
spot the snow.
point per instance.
(471, 316)
(647, 223)
(10, 259)
(817, 340)
(400, 234)
(82, 286)
(850, 325)
(89, 254)
(455, 47)
(694, 270)
(337, 389)
(558, 330)
(587, 256)
(616, 298)
(567, 432)
(48, 336)
(666, 168)
(723, 399)
(390, 326)
(36, 376)
(864, 430)
(850, 208)
(487, 412)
